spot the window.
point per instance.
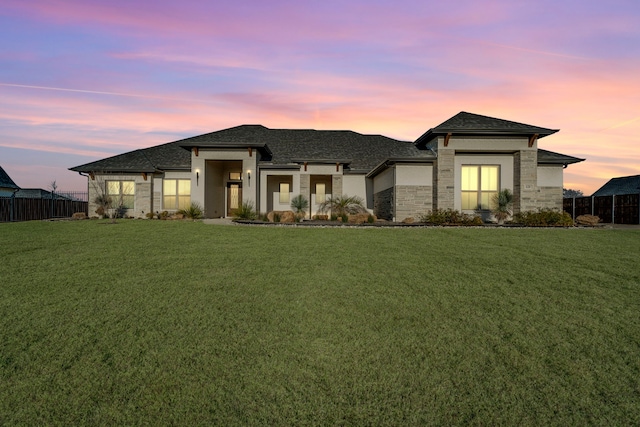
(479, 184)
(321, 192)
(234, 176)
(176, 193)
(122, 193)
(284, 192)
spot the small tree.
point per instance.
(502, 203)
(299, 205)
(568, 193)
(107, 205)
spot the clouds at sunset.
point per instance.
(82, 80)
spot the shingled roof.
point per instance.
(551, 158)
(465, 123)
(6, 181)
(161, 157)
(619, 186)
(278, 146)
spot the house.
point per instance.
(620, 186)
(458, 164)
(7, 186)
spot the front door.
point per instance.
(234, 197)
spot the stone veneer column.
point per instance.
(336, 186)
(305, 181)
(143, 198)
(525, 177)
(444, 185)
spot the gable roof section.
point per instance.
(619, 186)
(6, 181)
(465, 123)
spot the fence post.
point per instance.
(613, 209)
(573, 208)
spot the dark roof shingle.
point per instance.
(619, 186)
(476, 124)
(6, 181)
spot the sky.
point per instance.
(81, 80)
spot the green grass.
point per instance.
(182, 323)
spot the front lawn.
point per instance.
(182, 323)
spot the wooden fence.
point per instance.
(620, 209)
(29, 209)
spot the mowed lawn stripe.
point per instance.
(162, 322)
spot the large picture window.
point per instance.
(122, 193)
(176, 193)
(479, 184)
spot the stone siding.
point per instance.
(445, 192)
(413, 201)
(143, 204)
(550, 198)
(336, 186)
(525, 178)
(305, 182)
(383, 204)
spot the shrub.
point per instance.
(501, 205)
(163, 215)
(276, 217)
(299, 205)
(194, 211)
(450, 217)
(246, 210)
(544, 218)
(150, 215)
(343, 205)
(345, 218)
(334, 217)
(371, 219)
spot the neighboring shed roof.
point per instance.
(465, 123)
(6, 181)
(619, 186)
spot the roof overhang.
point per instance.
(263, 148)
(399, 160)
(432, 134)
(272, 166)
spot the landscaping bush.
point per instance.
(450, 217)
(194, 211)
(544, 218)
(246, 210)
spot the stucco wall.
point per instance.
(384, 180)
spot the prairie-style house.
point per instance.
(458, 164)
